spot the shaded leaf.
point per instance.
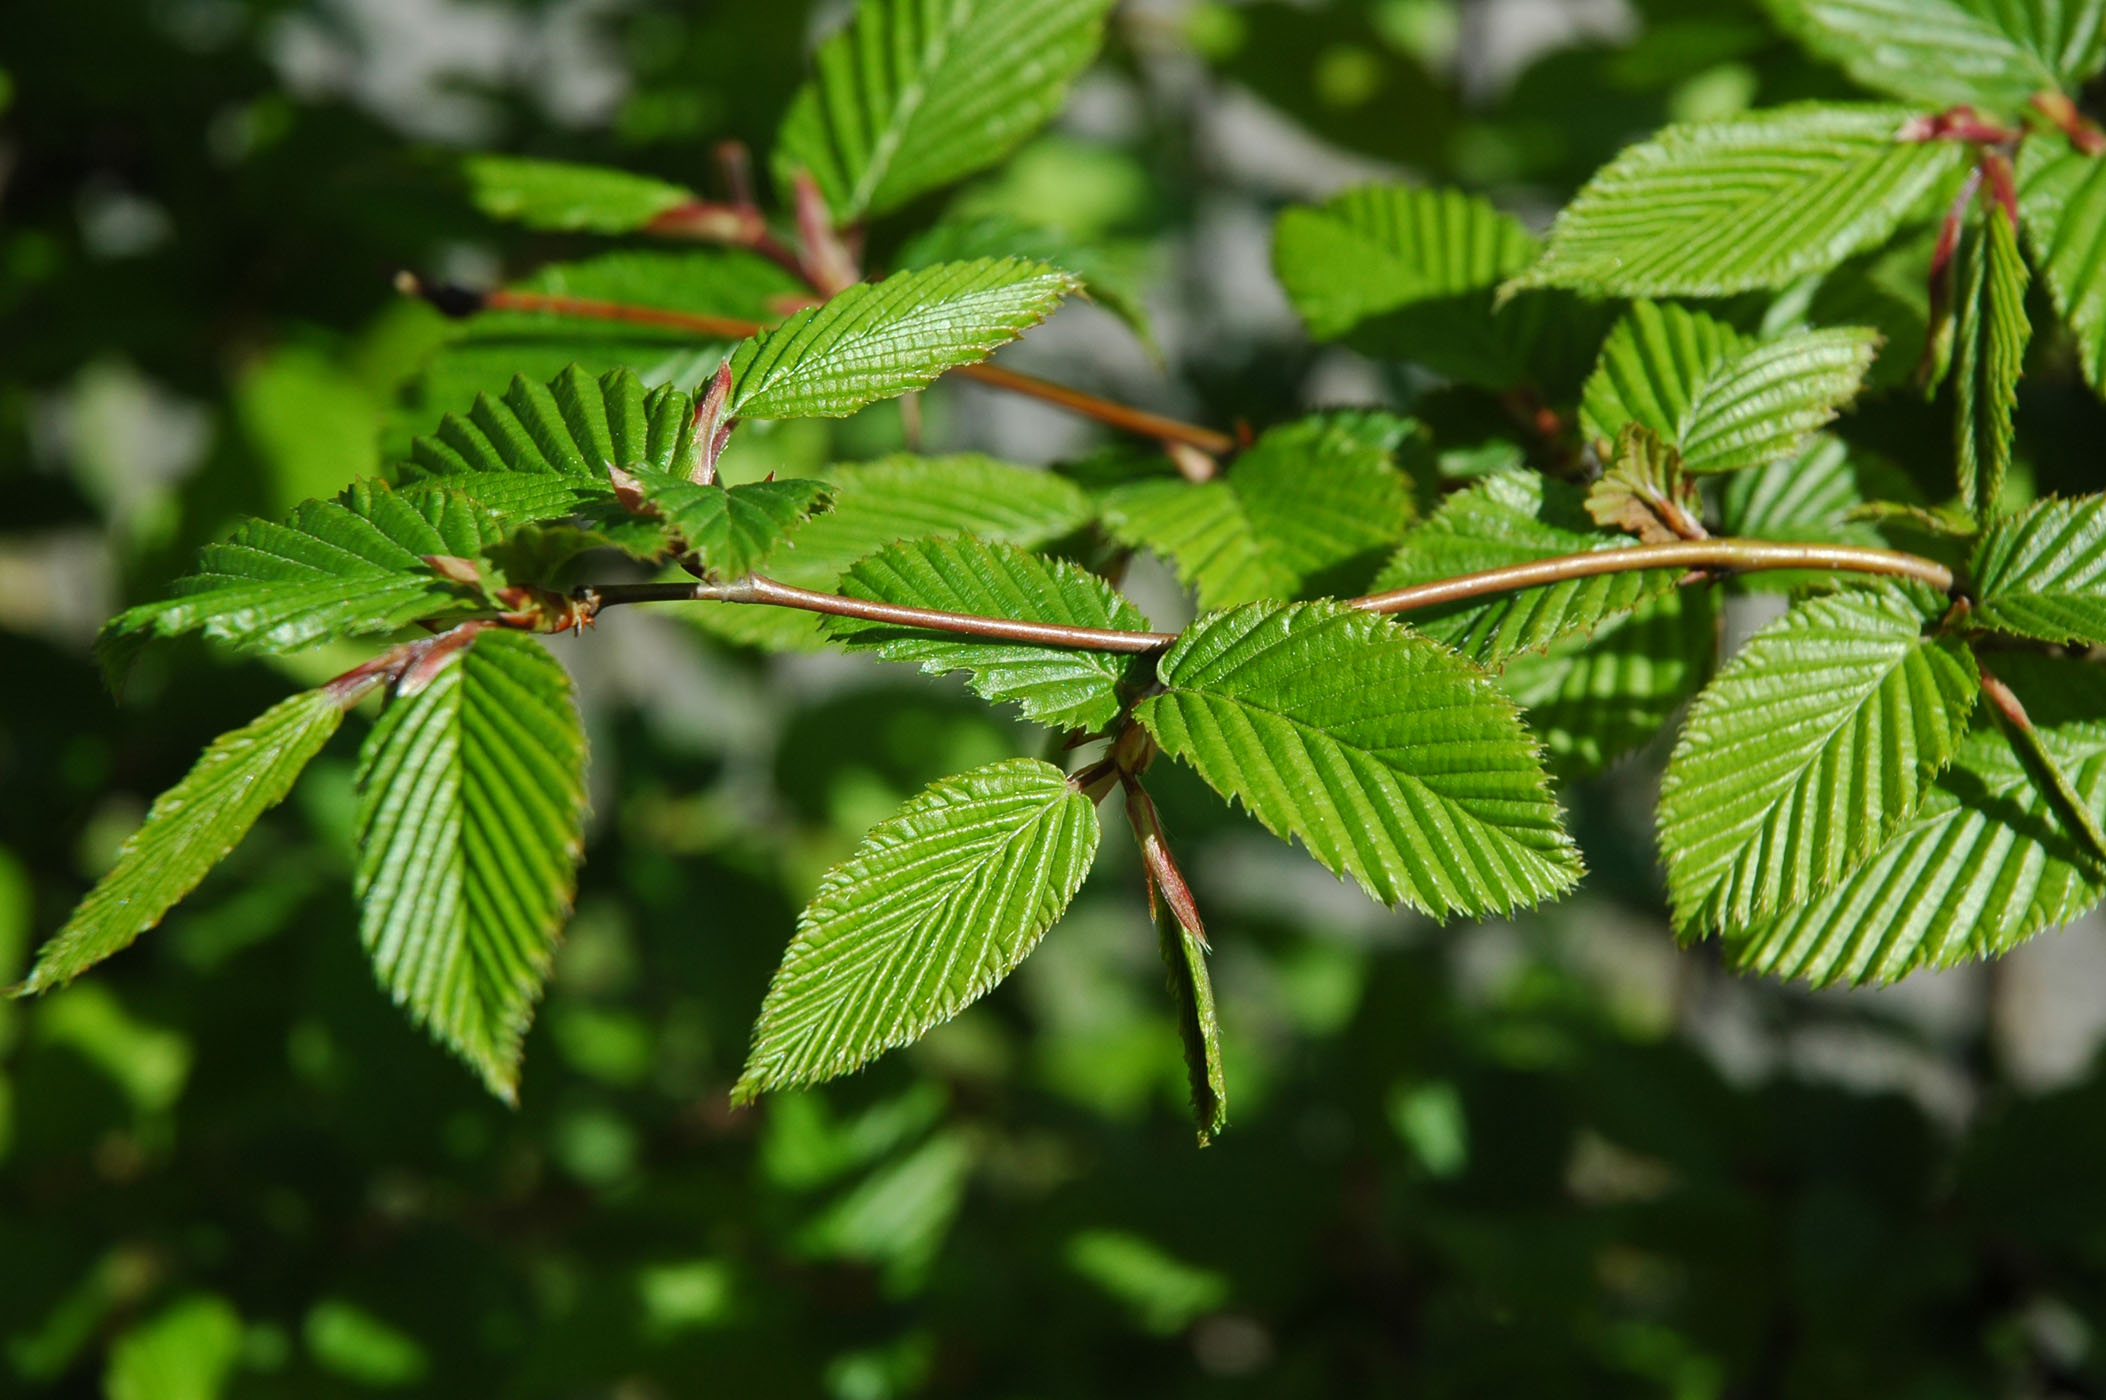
(938, 904)
(189, 829)
(1984, 864)
(1996, 53)
(2062, 204)
(1301, 510)
(733, 528)
(878, 340)
(1392, 759)
(914, 94)
(1516, 518)
(1065, 687)
(471, 804)
(1652, 365)
(1198, 1024)
(1816, 742)
(1712, 208)
(554, 194)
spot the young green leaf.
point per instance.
(1988, 358)
(1727, 403)
(1712, 208)
(732, 528)
(1644, 492)
(559, 195)
(2062, 204)
(471, 804)
(1516, 518)
(1409, 274)
(574, 427)
(1815, 743)
(342, 568)
(1065, 687)
(1652, 365)
(1198, 1024)
(1761, 405)
(1394, 760)
(1945, 53)
(1593, 699)
(914, 94)
(938, 904)
(2042, 572)
(901, 498)
(189, 829)
(878, 340)
(488, 350)
(1813, 497)
(1304, 508)
(1984, 864)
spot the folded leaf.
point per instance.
(1594, 699)
(2042, 572)
(1984, 864)
(471, 804)
(938, 904)
(732, 528)
(1516, 518)
(914, 94)
(1065, 687)
(1652, 365)
(1992, 53)
(554, 194)
(2062, 208)
(189, 829)
(1989, 351)
(1198, 1024)
(1711, 208)
(342, 568)
(1303, 509)
(883, 339)
(1816, 742)
(1394, 760)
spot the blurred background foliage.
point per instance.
(1553, 1157)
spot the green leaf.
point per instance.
(471, 803)
(914, 94)
(189, 1350)
(1988, 358)
(1111, 274)
(1652, 365)
(901, 498)
(1816, 497)
(1762, 405)
(559, 195)
(189, 829)
(2042, 572)
(1945, 53)
(488, 350)
(878, 340)
(733, 528)
(1198, 1024)
(1984, 864)
(1725, 402)
(2062, 204)
(1712, 208)
(1306, 508)
(574, 427)
(1593, 699)
(1409, 274)
(342, 568)
(1516, 518)
(1065, 687)
(1815, 743)
(1394, 760)
(938, 904)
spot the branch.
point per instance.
(1731, 555)
(756, 589)
(456, 301)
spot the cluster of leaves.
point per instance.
(1841, 803)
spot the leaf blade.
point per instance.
(2041, 572)
(1989, 359)
(565, 196)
